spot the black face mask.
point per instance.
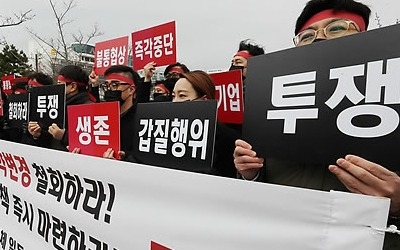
(233, 67)
(159, 97)
(113, 96)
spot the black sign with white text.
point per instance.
(319, 102)
(176, 135)
(47, 105)
(17, 110)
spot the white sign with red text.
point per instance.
(58, 200)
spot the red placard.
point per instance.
(94, 128)
(7, 83)
(229, 93)
(156, 44)
(109, 53)
(156, 246)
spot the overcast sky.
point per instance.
(208, 31)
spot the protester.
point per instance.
(121, 84)
(76, 81)
(35, 79)
(163, 89)
(323, 20)
(198, 85)
(247, 49)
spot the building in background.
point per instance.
(49, 60)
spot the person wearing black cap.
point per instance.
(323, 20)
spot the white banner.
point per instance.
(58, 200)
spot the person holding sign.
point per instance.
(121, 85)
(323, 20)
(163, 89)
(197, 85)
(76, 81)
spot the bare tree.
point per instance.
(17, 19)
(60, 45)
(378, 20)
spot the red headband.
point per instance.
(243, 53)
(65, 79)
(335, 14)
(120, 78)
(34, 83)
(162, 86)
(176, 69)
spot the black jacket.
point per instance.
(46, 140)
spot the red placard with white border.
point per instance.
(7, 83)
(229, 93)
(156, 44)
(109, 53)
(94, 128)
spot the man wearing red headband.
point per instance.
(247, 49)
(323, 20)
(76, 81)
(121, 84)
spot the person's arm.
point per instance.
(143, 88)
(94, 85)
(364, 177)
(247, 163)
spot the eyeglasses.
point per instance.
(112, 85)
(175, 75)
(333, 30)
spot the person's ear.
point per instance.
(74, 86)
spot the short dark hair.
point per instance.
(41, 78)
(250, 46)
(178, 64)
(315, 6)
(77, 74)
(126, 70)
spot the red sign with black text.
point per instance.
(109, 53)
(94, 128)
(229, 93)
(156, 44)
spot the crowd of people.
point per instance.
(320, 20)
